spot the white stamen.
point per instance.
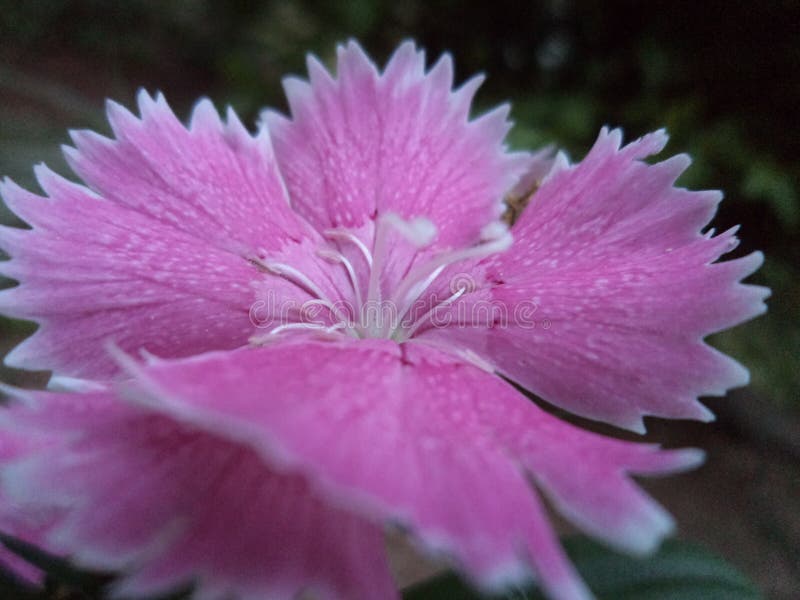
(338, 257)
(406, 333)
(270, 335)
(309, 326)
(342, 323)
(293, 275)
(432, 268)
(378, 250)
(367, 319)
(350, 237)
(416, 291)
(297, 277)
(419, 231)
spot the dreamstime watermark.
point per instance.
(461, 304)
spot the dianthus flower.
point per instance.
(268, 348)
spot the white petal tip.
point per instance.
(643, 535)
(62, 383)
(690, 458)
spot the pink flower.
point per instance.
(333, 301)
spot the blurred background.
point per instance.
(722, 76)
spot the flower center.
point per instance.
(372, 311)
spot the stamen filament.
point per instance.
(369, 317)
(298, 278)
(431, 269)
(416, 291)
(352, 238)
(324, 303)
(378, 251)
(419, 231)
(270, 335)
(407, 332)
(310, 326)
(333, 256)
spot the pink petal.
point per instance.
(94, 271)
(167, 504)
(159, 259)
(413, 436)
(401, 142)
(213, 180)
(610, 260)
(28, 526)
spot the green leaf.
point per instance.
(62, 579)
(57, 569)
(12, 587)
(679, 571)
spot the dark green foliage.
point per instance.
(62, 581)
(679, 571)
